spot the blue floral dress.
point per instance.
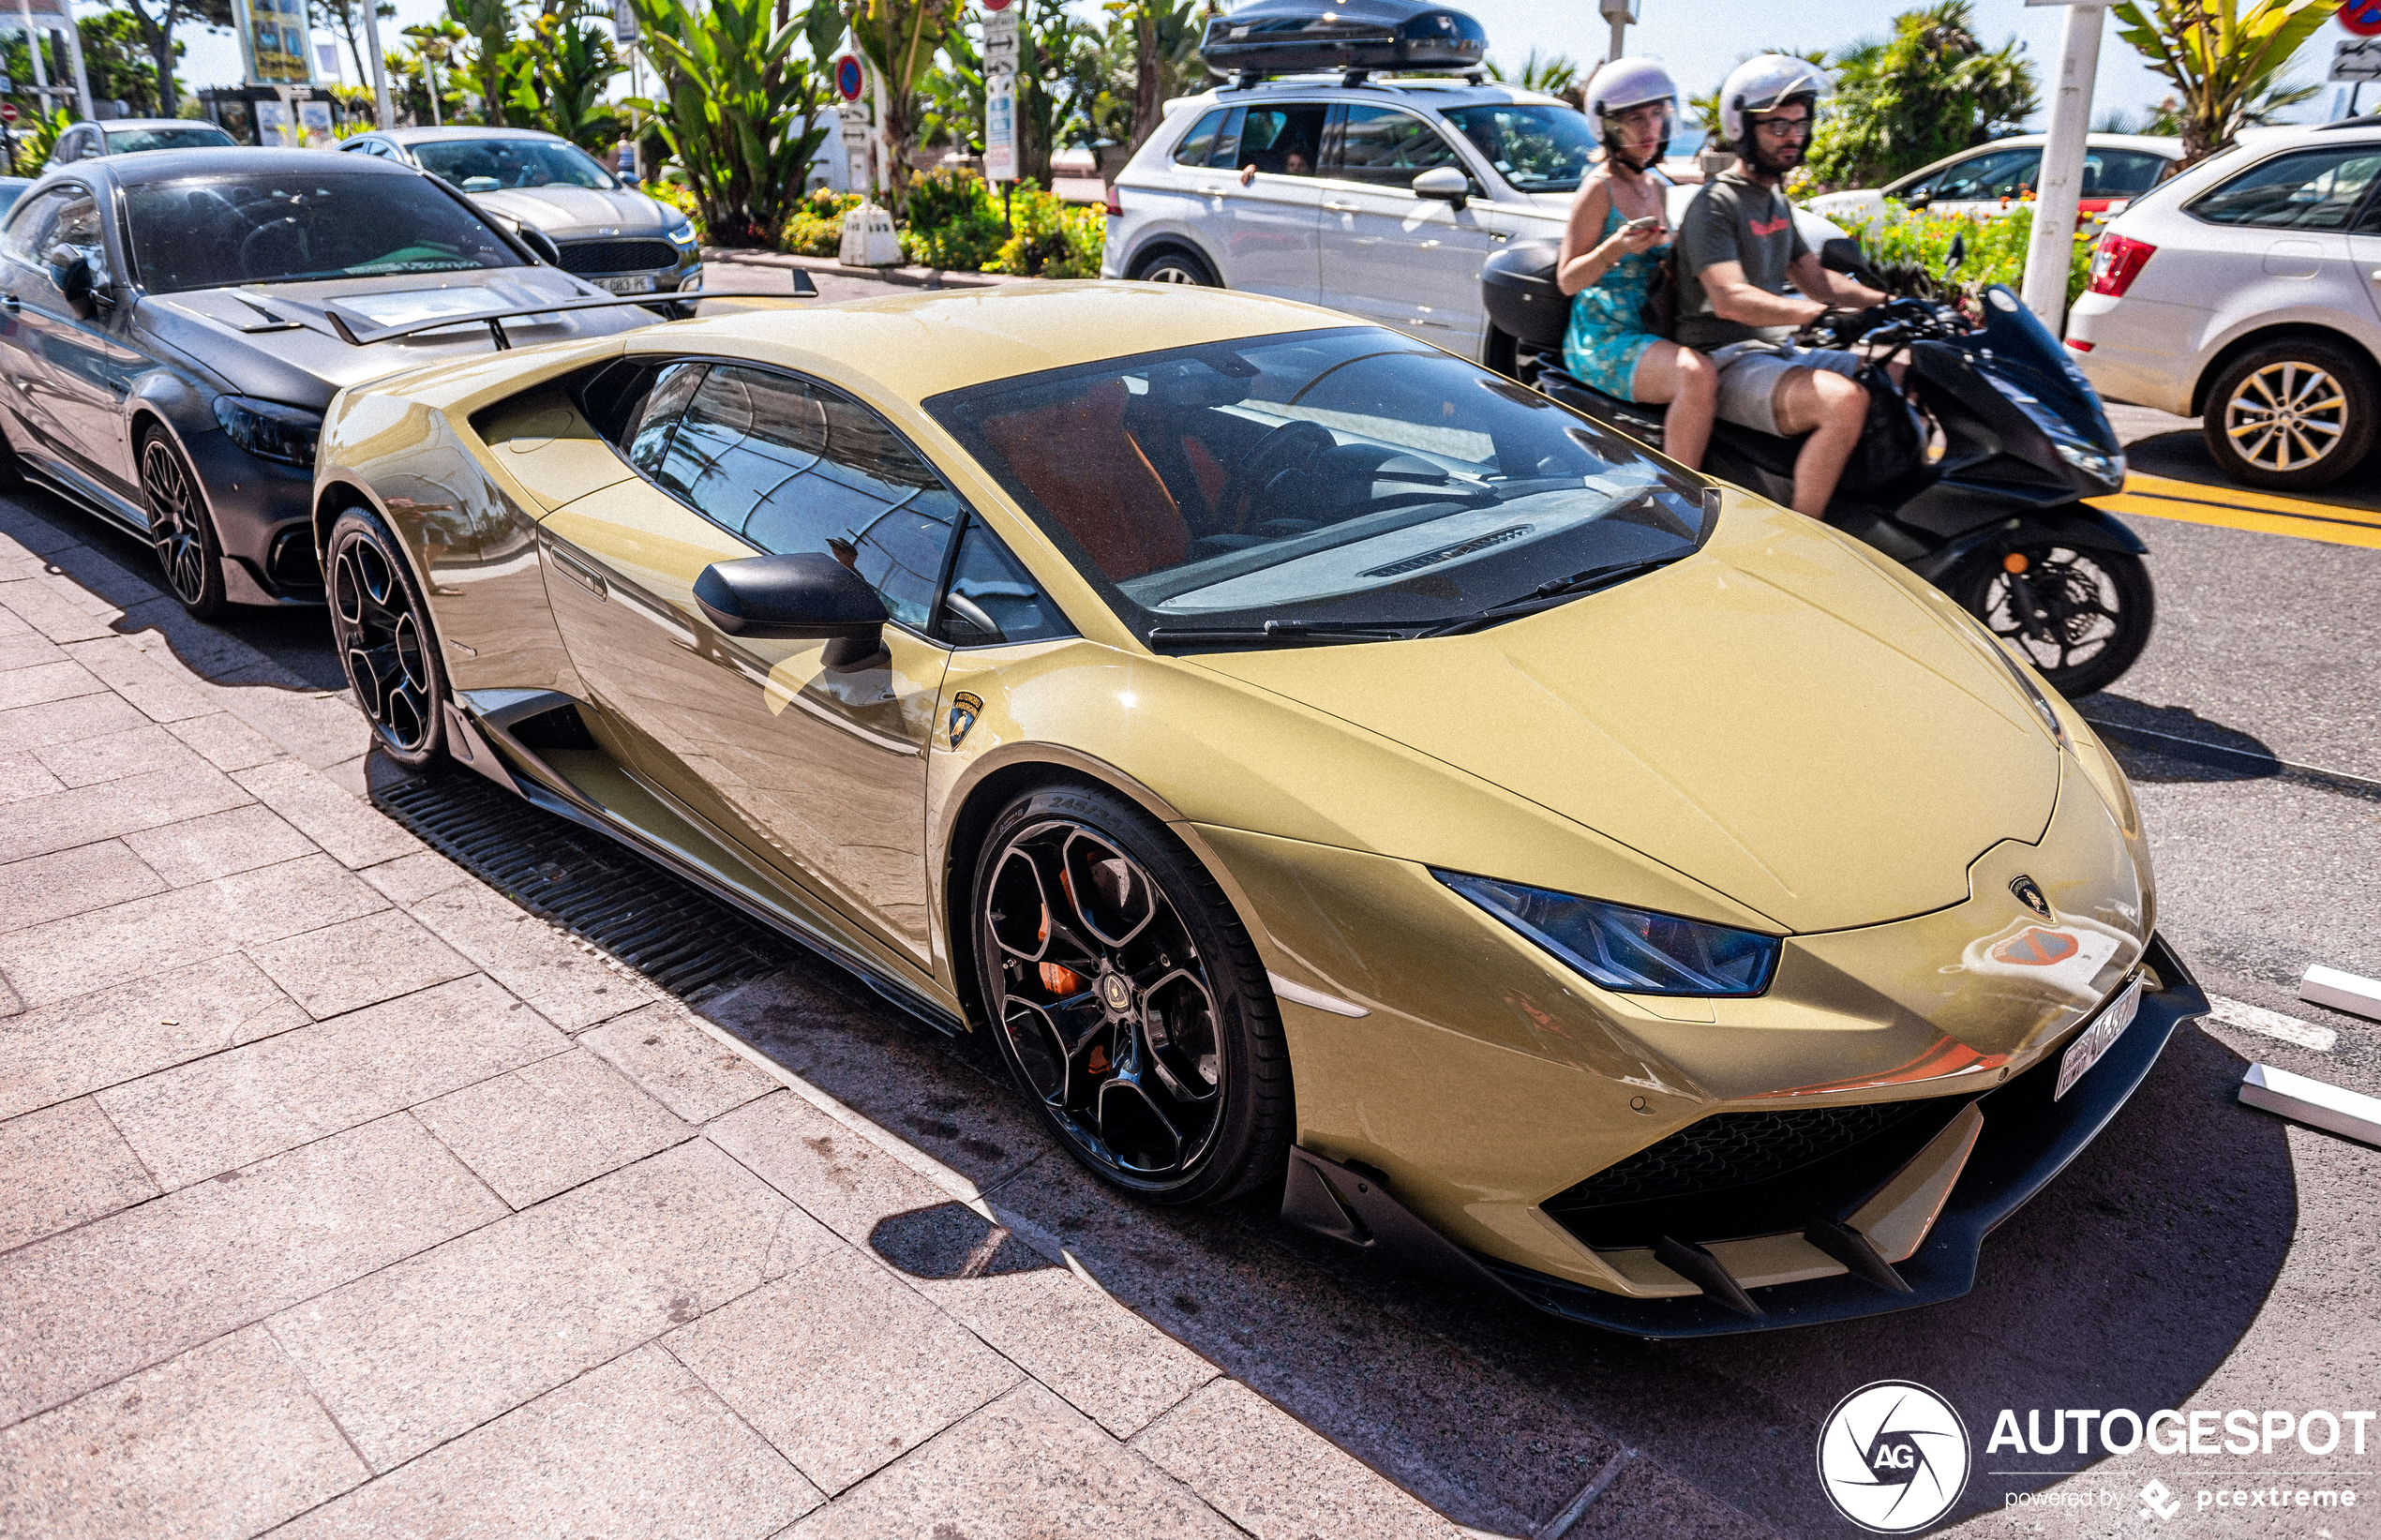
(1608, 333)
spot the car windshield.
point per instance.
(492, 165)
(208, 232)
(1298, 485)
(1536, 148)
(198, 136)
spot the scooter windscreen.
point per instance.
(2028, 366)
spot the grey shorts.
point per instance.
(1750, 373)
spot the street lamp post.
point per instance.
(2059, 185)
(1620, 13)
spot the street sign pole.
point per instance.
(2051, 249)
(385, 117)
(1620, 13)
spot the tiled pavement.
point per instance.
(344, 1198)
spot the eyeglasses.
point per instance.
(1783, 127)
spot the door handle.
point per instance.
(586, 577)
(1344, 208)
(13, 303)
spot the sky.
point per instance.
(1698, 44)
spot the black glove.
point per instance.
(1837, 328)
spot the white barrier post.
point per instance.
(2059, 183)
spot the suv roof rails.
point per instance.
(1251, 81)
(2369, 120)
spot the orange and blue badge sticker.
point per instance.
(2037, 948)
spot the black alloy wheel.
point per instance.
(181, 527)
(1128, 1000)
(2080, 617)
(384, 633)
(1172, 264)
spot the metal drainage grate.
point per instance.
(665, 927)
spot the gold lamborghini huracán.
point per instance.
(1314, 759)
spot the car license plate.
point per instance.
(644, 284)
(2086, 1050)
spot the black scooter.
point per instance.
(1997, 522)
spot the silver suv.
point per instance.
(1382, 199)
(2248, 291)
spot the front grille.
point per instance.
(1745, 1173)
(591, 258)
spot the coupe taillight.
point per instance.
(2117, 262)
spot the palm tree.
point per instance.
(2224, 62)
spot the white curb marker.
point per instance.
(2329, 1107)
(2342, 991)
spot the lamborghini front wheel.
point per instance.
(1128, 999)
(384, 633)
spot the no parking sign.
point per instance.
(2362, 17)
(851, 77)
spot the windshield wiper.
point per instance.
(1288, 631)
(1553, 593)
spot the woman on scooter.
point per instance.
(1619, 236)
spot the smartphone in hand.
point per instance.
(1642, 223)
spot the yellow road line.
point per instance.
(2238, 508)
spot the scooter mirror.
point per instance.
(1958, 255)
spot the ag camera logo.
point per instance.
(1892, 1457)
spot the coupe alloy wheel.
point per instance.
(177, 521)
(380, 637)
(1106, 1007)
(2287, 416)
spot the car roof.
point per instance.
(226, 160)
(1412, 90)
(435, 136)
(2156, 145)
(111, 125)
(918, 345)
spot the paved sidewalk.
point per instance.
(344, 1196)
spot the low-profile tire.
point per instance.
(2293, 414)
(1174, 265)
(180, 529)
(1128, 1000)
(2080, 616)
(385, 637)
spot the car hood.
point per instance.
(568, 212)
(277, 340)
(1778, 717)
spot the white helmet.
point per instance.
(1624, 84)
(1765, 83)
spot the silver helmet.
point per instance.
(1622, 86)
(1765, 83)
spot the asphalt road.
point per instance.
(2200, 1255)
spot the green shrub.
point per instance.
(1051, 240)
(816, 228)
(954, 221)
(1996, 247)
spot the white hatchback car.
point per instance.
(2248, 291)
(1382, 198)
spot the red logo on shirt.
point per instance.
(1769, 227)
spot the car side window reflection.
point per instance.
(994, 599)
(795, 466)
(28, 233)
(1385, 147)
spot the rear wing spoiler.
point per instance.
(361, 332)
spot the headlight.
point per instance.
(269, 430)
(2108, 468)
(1633, 951)
(683, 233)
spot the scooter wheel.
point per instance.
(2080, 617)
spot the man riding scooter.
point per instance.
(1738, 253)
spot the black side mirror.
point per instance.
(1917, 200)
(1842, 254)
(78, 283)
(541, 245)
(806, 594)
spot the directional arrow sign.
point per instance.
(2357, 59)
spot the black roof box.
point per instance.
(1302, 36)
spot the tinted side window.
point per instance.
(994, 599)
(29, 232)
(2314, 189)
(649, 442)
(1227, 140)
(1388, 148)
(1284, 140)
(2001, 174)
(1200, 144)
(794, 466)
(2121, 174)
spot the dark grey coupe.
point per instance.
(174, 325)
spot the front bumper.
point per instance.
(2026, 1138)
(264, 516)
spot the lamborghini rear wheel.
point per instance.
(386, 638)
(1128, 999)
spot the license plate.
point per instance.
(644, 285)
(2086, 1050)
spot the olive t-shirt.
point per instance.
(1734, 219)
